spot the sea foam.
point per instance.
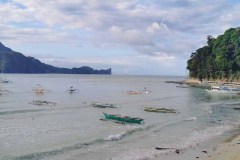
(115, 137)
(192, 140)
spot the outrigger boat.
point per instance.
(38, 89)
(72, 90)
(146, 91)
(40, 103)
(134, 92)
(120, 118)
(160, 110)
(103, 105)
(5, 81)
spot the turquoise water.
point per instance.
(72, 130)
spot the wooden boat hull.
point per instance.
(123, 118)
(134, 92)
(159, 110)
(103, 105)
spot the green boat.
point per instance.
(123, 118)
(159, 110)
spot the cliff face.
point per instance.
(15, 62)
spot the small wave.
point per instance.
(191, 119)
(169, 124)
(115, 137)
(52, 153)
(119, 136)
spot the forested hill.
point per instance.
(15, 62)
(220, 59)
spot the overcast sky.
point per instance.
(138, 37)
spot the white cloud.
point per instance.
(170, 28)
(159, 29)
(128, 36)
(163, 57)
(11, 13)
(32, 35)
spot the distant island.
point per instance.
(15, 62)
(219, 60)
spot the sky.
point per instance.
(133, 37)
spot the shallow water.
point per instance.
(72, 130)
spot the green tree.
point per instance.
(220, 59)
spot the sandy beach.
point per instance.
(225, 151)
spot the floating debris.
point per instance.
(160, 148)
(205, 152)
(177, 151)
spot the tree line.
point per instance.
(219, 59)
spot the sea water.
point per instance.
(72, 128)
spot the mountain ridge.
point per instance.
(15, 62)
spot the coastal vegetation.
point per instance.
(219, 59)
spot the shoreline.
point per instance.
(226, 151)
(193, 81)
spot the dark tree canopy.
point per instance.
(220, 59)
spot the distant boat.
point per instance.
(39, 89)
(160, 110)
(72, 90)
(134, 92)
(120, 118)
(146, 91)
(4, 81)
(103, 105)
(223, 89)
(40, 103)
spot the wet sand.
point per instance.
(226, 151)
